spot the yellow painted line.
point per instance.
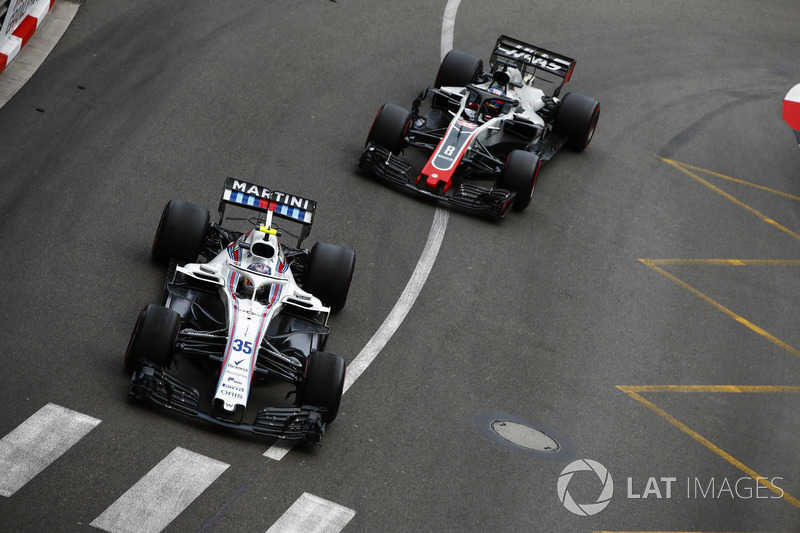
(724, 262)
(739, 389)
(685, 170)
(711, 446)
(734, 180)
(772, 338)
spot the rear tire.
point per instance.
(577, 118)
(458, 69)
(330, 273)
(324, 383)
(181, 232)
(389, 128)
(519, 175)
(154, 337)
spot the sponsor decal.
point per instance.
(236, 369)
(290, 200)
(232, 388)
(264, 193)
(533, 57)
(261, 268)
(248, 188)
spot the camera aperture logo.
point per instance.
(585, 509)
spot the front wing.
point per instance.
(382, 164)
(293, 423)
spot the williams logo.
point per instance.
(585, 509)
(261, 268)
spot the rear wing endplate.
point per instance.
(527, 57)
(260, 198)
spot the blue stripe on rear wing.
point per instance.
(249, 195)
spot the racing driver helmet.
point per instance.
(493, 107)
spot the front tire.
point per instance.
(458, 69)
(519, 176)
(324, 383)
(181, 232)
(154, 337)
(577, 118)
(389, 128)
(330, 273)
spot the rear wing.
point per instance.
(260, 198)
(534, 62)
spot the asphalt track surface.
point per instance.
(643, 310)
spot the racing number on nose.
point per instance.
(242, 346)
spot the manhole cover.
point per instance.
(524, 436)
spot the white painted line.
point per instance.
(398, 313)
(279, 450)
(426, 260)
(37, 442)
(312, 514)
(162, 494)
(403, 305)
(448, 26)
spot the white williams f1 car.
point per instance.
(498, 126)
(245, 308)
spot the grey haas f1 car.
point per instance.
(245, 308)
(498, 126)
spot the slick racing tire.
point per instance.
(458, 69)
(324, 383)
(181, 232)
(329, 274)
(519, 175)
(154, 337)
(389, 128)
(577, 118)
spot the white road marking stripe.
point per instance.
(312, 514)
(448, 26)
(37, 442)
(162, 494)
(398, 313)
(279, 450)
(403, 305)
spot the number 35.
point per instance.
(244, 347)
